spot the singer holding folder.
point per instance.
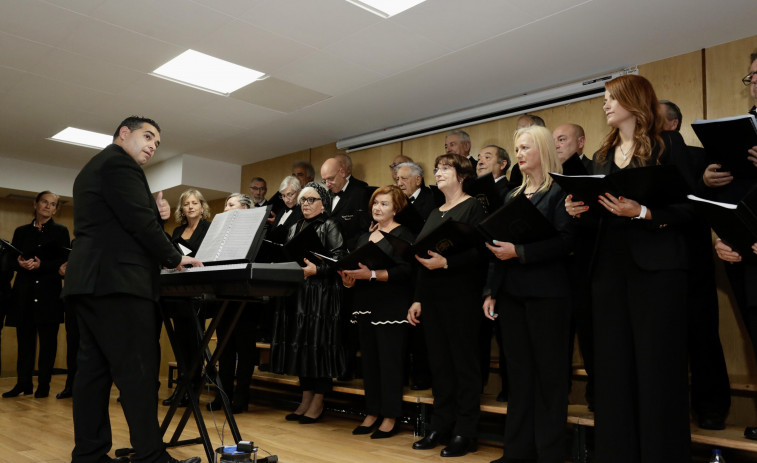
(528, 289)
(447, 300)
(380, 299)
(639, 287)
(307, 340)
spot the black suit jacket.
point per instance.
(425, 202)
(278, 230)
(516, 176)
(541, 268)
(352, 213)
(120, 243)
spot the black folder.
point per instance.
(304, 245)
(450, 237)
(652, 186)
(574, 166)
(49, 250)
(727, 140)
(518, 222)
(369, 255)
(484, 189)
(735, 224)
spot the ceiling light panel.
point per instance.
(207, 73)
(81, 137)
(386, 8)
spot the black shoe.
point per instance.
(293, 417)
(716, 424)
(360, 430)
(18, 389)
(182, 403)
(239, 407)
(65, 393)
(379, 434)
(167, 402)
(307, 420)
(750, 432)
(459, 446)
(432, 439)
(42, 392)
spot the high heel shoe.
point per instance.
(360, 430)
(293, 417)
(307, 420)
(19, 389)
(379, 434)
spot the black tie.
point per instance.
(411, 199)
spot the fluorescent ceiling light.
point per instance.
(386, 8)
(81, 137)
(206, 72)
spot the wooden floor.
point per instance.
(41, 430)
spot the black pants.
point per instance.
(27, 332)
(535, 332)
(240, 354)
(383, 353)
(72, 345)
(118, 344)
(641, 384)
(452, 332)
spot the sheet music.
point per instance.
(231, 234)
(210, 268)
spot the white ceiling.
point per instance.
(336, 70)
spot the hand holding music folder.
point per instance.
(369, 255)
(735, 224)
(49, 250)
(304, 245)
(450, 237)
(726, 142)
(652, 186)
(517, 222)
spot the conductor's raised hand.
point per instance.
(163, 207)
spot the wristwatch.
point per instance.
(373, 276)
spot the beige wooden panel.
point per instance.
(272, 170)
(372, 164)
(679, 79)
(319, 155)
(726, 65)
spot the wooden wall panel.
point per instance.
(726, 65)
(424, 151)
(372, 165)
(680, 80)
(272, 170)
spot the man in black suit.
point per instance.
(495, 160)
(710, 386)
(410, 181)
(304, 172)
(349, 205)
(112, 281)
(258, 189)
(569, 141)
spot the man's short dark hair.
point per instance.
(135, 122)
(535, 120)
(753, 57)
(672, 112)
(501, 154)
(259, 179)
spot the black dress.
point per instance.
(380, 309)
(451, 312)
(37, 308)
(639, 288)
(532, 293)
(307, 339)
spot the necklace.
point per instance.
(625, 154)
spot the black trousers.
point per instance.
(452, 332)
(72, 345)
(240, 355)
(535, 333)
(383, 353)
(27, 332)
(118, 344)
(641, 383)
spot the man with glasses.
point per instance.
(349, 203)
(725, 187)
(258, 189)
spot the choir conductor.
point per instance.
(112, 282)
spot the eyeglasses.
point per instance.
(309, 200)
(443, 169)
(258, 188)
(328, 180)
(747, 80)
(289, 195)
